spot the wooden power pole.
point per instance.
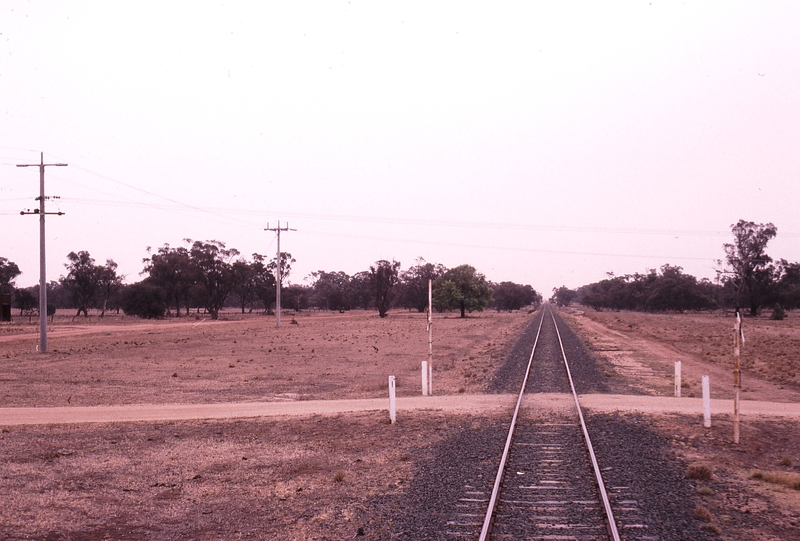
(278, 270)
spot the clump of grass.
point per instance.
(710, 528)
(699, 472)
(786, 461)
(701, 513)
(338, 477)
(705, 491)
(788, 480)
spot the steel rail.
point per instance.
(611, 523)
(487, 522)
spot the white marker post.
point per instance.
(430, 337)
(424, 378)
(738, 340)
(392, 401)
(677, 379)
(706, 402)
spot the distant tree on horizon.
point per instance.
(214, 270)
(8, 273)
(383, 277)
(752, 271)
(462, 288)
(563, 296)
(82, 281)
(511, 296)
(414, 283)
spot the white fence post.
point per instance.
(424, 378)
(706, 402)
(678, 379)
(392, 400)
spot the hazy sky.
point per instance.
(542, 142)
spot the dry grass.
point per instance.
(246, 358)
(770, 350)
(699, 472)
(786, 479)
(701, 513)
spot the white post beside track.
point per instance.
(392, 400)
(424, 378)
(706, 402)
(678, 379)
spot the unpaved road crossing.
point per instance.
(473, 404)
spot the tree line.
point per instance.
(749, 279)
(209, 276)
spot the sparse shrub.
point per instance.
(778, 313)
(705, 491)
(710, 528)
(338, 477)
(144, 300)
(789, 480)
(786, 461)
(699, 472)
(701, 513)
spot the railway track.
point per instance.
(549, 485)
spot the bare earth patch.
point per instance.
(324, 356)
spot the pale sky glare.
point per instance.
(542, 142)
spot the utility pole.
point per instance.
(42, 270)
(278, 270)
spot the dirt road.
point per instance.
(471, 404)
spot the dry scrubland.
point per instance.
(324, 356)
(318, 478)
(771, 350)
(327, 476)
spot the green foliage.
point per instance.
(263, 281)
(172, 270)
(108, 284)
(145, 300)
(25, 300)
(88, 284)
(414, 284)
(461, 288)
(331, 290)
(214, 272)
(752, 272)
(82, 280)
(778, 313)
(295, 297)
(383, 277)
(563, 296)
(670, 289)
(243, 284)
(510, 296)
(8, 272)
(788, 285)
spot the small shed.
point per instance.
(5, 307)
